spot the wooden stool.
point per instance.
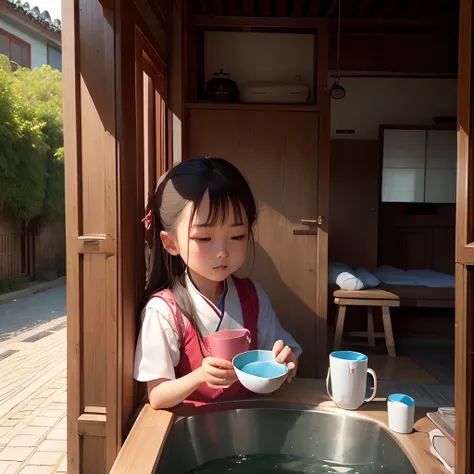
(369, 298)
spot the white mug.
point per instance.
(348, 375)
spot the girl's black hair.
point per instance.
(186, 183)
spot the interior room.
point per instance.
(392, 164)
(395, 217)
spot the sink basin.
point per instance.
(353, 444)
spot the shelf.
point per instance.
(238, 106)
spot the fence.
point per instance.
(10, 254)
(33, 254)
(50, 248)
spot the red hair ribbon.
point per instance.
(148, 222)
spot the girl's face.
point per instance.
(211, 252)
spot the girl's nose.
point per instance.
(223, 253)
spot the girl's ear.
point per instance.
(168, 243)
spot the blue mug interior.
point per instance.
(260, 364)
(401, 398)
(349, 355)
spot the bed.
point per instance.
(415, 288)
(418, 288)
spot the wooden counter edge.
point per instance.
(145, 442)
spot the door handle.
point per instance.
(312, 223)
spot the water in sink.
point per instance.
(282, 464)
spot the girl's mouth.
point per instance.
(220, 267)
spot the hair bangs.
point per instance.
(222, 203)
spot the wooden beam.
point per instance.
(265, 7)
(388, 8)
(331, 8)
(155, 27)
(308, 23)
(203, 7)
(323, 101)
(298, 8)
(257, 22)
(217, 7)
(364, 7)
(413, 8)
(280, 8)
(313, 9)
(233, 7)
(248, 7)
(465, 222)
(435, 7)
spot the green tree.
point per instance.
(31, 141)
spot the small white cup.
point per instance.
(401, 413)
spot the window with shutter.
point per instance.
(15, 49)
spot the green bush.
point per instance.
(31, 143)
(14, 283)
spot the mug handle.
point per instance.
(328, 378)
(249, 338)
(371, 372)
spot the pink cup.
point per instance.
(229, 343)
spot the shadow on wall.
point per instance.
(294, 315)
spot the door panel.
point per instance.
(277, 153)
(464, 336)
(355, 191)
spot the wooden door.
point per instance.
(278, 154)
(354, 198)
(464, 337)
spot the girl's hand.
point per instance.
(218, 373)
(285, 355)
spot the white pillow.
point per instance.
(348, 281)
(335, 269)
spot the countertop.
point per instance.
(151, 428)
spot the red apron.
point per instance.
(191, 356)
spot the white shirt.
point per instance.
(158, 347)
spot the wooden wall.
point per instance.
(415, 53)
(417, 237)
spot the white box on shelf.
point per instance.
(274, 93)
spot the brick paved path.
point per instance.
(33, 400)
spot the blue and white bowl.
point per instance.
(259, 372)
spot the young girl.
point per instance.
(199, 227)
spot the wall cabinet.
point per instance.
(419, 165)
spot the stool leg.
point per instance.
(370, 327)
(341, 314)
(387, 327)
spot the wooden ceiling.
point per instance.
(431, 10)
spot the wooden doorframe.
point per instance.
(324, 152)
(102, 222)
(464, 327)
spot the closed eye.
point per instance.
(239, 237)
(201, 239)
